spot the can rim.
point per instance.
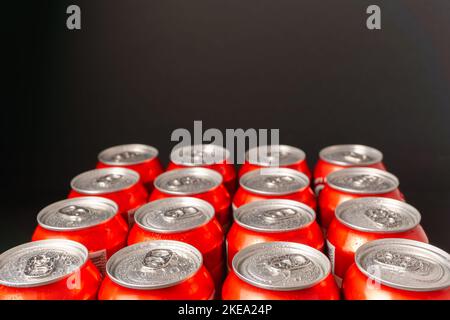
(217, 179)
(300, 154)
(174, 158)
(307, 209)
(75, 245)
(109, 170)
(326, 267)
(377, 154)
(376, 172)
(46, 211)
(152, 150)
(131, 248)
(274, 170)
(413, 212)
(142, 212)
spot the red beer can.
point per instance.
(361, 220)
(274, 183)
(54, 269)
(139, 157)
(352, 183)
(209, 156)
(275, 156)
(273, 220)
(398, 269)
(201, 183)
(280, 271)
(185, 219)
(157, 270)
(91, 221)
(120, 185)
(343, 156)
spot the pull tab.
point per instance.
(276, 182)
(354, 157)
(157, 259)
(401, 262)
(40, 266)
(126, 155)
(183, 181)
(108, 180)
(289, 262)
(383, 217)
(73, 212)
(276, 215)
(180, 213)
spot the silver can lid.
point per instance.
(154, 264)
(199, 154)
(172, 215)
(405, 264)
(77, 213)
(107, 180)
(278, 155)
(281, 266)
(351, 155)
(274, 181)
(40, 263)
(362, 181)
(373, 214)
(188, 181)
(278, 215)
(127, 154)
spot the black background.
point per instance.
(139, 69)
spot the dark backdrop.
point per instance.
(140, 69)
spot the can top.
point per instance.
(40, 263)
(281, 266)
(373, 214)
(351, 155)
(188, 181)
(362, 181)
(106, 180)
(172, 215)
(199, 155)
(405, 264)
(277, 215)
(77, 213)
(127, 154)
(154, 264)
(278, 155)
(274, 181)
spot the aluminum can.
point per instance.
(138, 157)
(283, 156)
(280, 271)
(185, 219)
(201, 183)
(361, 220)
(273, 220)
(54, 269)
(398, 269)
(352, 183)
(209, 156)
(91, 221)
(120, 185)
(157, 270)
(274, 183)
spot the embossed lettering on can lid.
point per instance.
(77, 213)
(274, 181)
(277, 215)
(266, 156)
(281, 266)
(40, 263)
(154, 264)
(351, 155)
(188, 181)
(362, 181)
(405, 264)
(199, 154)
(127, 154)
(172, 215)
(373, 214)
(106, 180)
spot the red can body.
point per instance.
(357, 286)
